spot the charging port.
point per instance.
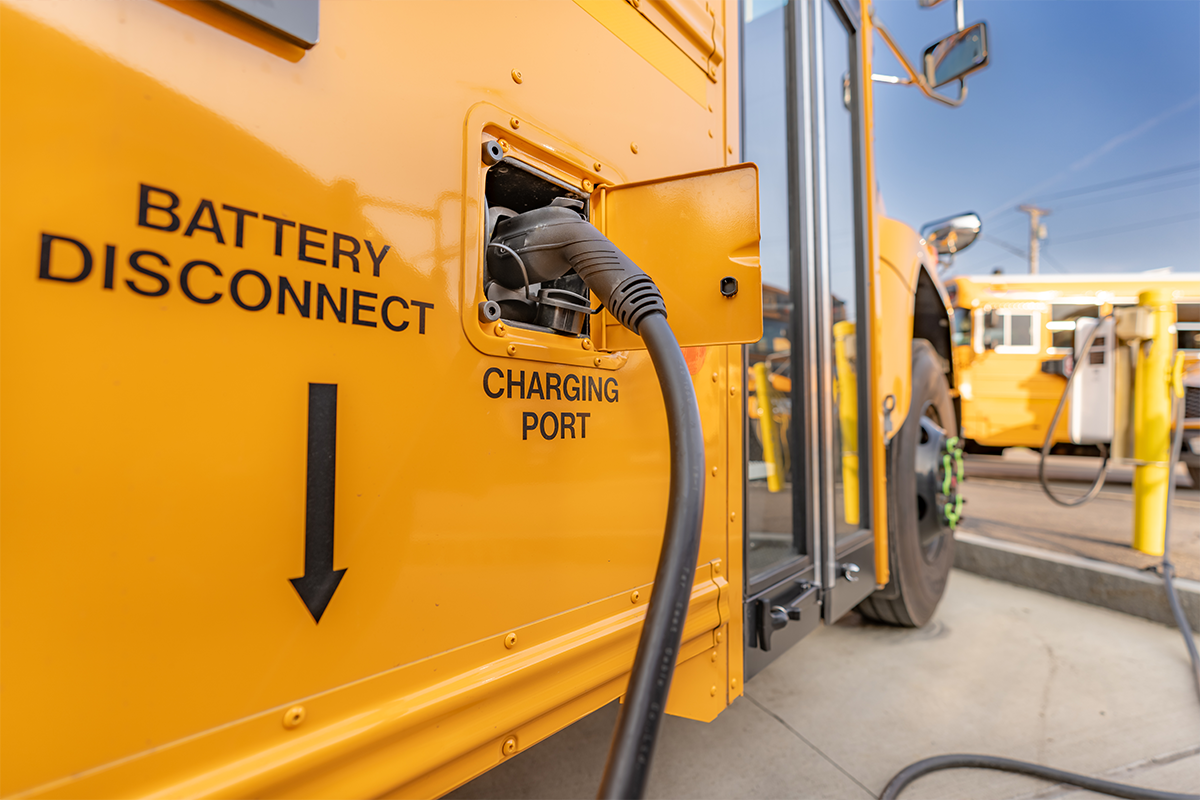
(516, 297)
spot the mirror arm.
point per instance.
(913, 76)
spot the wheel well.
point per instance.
(931, 322)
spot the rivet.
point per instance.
(714, 472)
(516, 76)
(596, 166)
(712, 72)
(633, 146)
(710, 106)
(587, 185)
(510, 641)
(586, 344)
(634, 595)
(499, 329)
(733, 684)
(733, 390)
(717, 568)
(715, 377)
(710, 134)
(294, 716)
(729, 149)
(512, 349)
(732, 516)
(510, 746)
(720, 636)
(713, 691)
(714, 655)
(515, 123)
(599, 361)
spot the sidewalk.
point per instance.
(1001, 670)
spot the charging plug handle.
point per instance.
(553, 240)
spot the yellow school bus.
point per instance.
(322, 478)
(1009, 330)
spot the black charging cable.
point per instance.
(545, 244)
(1098, 483)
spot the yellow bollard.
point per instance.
(766, 422)
(1152, 423)
(847, 404)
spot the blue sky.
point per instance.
(1078, 93)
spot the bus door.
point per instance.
(808, 551)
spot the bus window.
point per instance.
(1008, 331)
(962, 327)
(1187, 324)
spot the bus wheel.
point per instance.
(925, 466)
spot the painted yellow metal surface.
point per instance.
(1152, 423)
(876, 309)
(181, 262)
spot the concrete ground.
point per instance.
(1005, 502)
(1000, 670)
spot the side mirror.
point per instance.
(953, 234)
(956, 56)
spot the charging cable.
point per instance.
(1098, 483)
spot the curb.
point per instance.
(1099, 583)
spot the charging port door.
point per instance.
(697, 236)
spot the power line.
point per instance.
(1150, 190)
(1006, 246)
(1148, 176)
(1126, 228)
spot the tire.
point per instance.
(920, 546)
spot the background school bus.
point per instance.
(1008, 329)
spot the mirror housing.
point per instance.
(952, 234)
(956, 56)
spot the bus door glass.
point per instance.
(847, 544)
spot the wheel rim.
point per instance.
(938, 468)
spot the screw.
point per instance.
(510, 746)
(516, 75)
(294, 716)
(515, 123)
(510, 641)
(596, 166)
(512, 349)
(500, 329)
(587, 185)
(586, 344)
(634, 595)
(504, 145)
(598, 361)
(633, 146)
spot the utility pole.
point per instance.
(1037, 232)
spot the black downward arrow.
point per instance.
(320, 579)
